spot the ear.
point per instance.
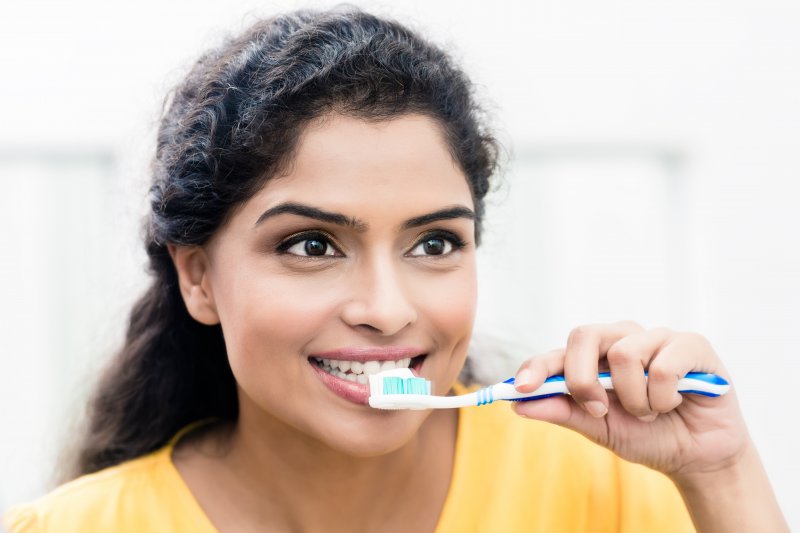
(192, 265)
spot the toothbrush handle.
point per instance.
(692, 383)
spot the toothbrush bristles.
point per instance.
(397, 385)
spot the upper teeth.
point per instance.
(358, 371)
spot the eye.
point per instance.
(436, 244)
(309, 245)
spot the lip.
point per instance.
(354, 392)
(371, 353)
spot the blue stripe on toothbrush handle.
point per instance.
(708, 378)
(718, 385)
(531, 398)
(486, 396)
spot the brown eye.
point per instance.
(432, 246)
(312, 244)
(311, 248)
(315, 247)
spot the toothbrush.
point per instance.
(401, 389)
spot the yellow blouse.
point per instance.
(509, 474)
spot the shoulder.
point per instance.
(111, 499)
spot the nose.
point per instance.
(379, 299)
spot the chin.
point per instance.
(381, 434)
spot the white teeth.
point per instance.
(357, 371)
(372, 367)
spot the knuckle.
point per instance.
(660, 373)
(620, 353)
(581, 386)
(582, 333)
(696, 339)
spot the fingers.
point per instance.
(629, 351)
(585, 346)
(684, 353)
(535, 370)
(628, 358)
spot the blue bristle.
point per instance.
(396, 385)
(417, 386)
(393, 385)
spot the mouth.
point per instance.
(350, 379)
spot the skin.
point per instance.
(294, 438)
(391, 469)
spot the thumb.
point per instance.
(563, 411)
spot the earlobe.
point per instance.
(191, 263)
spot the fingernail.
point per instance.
(596, 408)
(522, 378)
(648, 418)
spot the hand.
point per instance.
(643, 420)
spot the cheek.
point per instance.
(449, 305)
(273, 316)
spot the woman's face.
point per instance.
(359, 258)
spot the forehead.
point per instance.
(350, 164)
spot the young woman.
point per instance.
(316, 202)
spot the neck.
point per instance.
(280, 476)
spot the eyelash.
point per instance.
(457, 242)
(290, 241)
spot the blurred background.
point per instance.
(652, 175)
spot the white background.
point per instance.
(653, 170)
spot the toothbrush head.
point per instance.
(398, 389)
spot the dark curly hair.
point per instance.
(228, 127)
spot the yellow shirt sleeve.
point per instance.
(144, 494)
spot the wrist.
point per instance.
(728, 474)
(735, 496)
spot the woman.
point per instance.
(317, 197)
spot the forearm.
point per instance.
(738, 498)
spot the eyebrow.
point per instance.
(339, 219)
(311, 212)
(447, 213)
